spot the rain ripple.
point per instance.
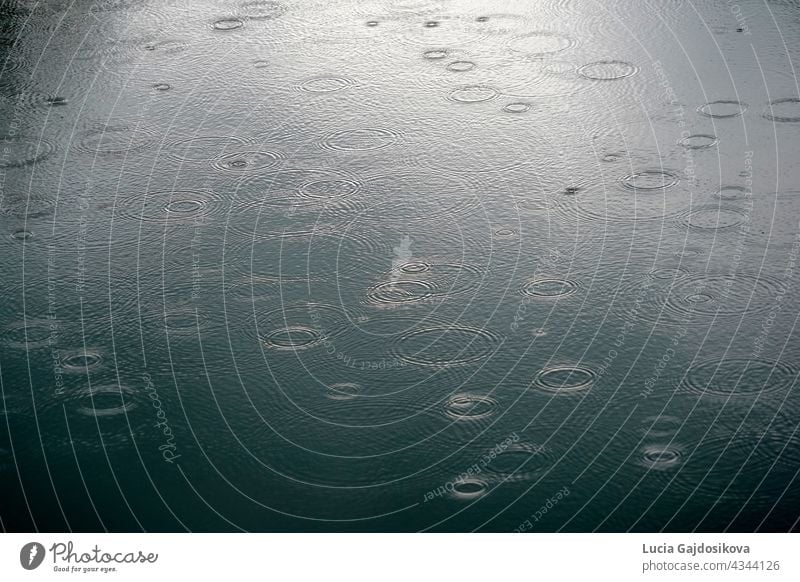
(451, 345)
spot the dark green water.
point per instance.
(399, 265)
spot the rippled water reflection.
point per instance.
(390, 265)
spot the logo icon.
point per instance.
(31, 555)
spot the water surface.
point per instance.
(399, 265)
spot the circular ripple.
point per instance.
(661, 426)
(549, 288)
(517, 107)
(620, 207)
(564, 379)
(415, 268)
(289, 188)
(247, 161)
(730, 193)
(723, 109)
(298, 327)
(650, 180)
(699, 141)
(447, 345)
(696, 296)
(473, 94)
(668, 273)
(520, 461)
(262, 10)
(116, 140)
(784, 110)
(171, 207)
(607, 70)
(19, 152)
(713, 218)
(530, 79)
(460, 66)
(742, 466)
(612, 157)
(661, 457)
(204, 148)
(227, 24)
(394, 292)
(540, 43)
(435, 54)
(21, 234)
(699, 298)
(450, 279)
(34, 99)
(167, 46)
(326, 84)
(470, 407)
(739, 377)
(292, 338)
(469, 488)
(28, 334)
(329, 189)
(442, 280)
(343, 391)
(505, 233)
(367, 344)
(107, 400)
(365, 139)
(81, 362)
(689, 253)
(12, 61)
